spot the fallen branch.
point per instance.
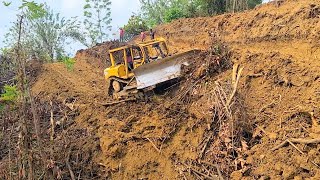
(154, 145)
(203, 150)
(70, 171)
(68, 165)
(117, 102)
(255, 75)
(198, 172)
(261, 129)
(202, 174)
(315, 164)
(235, 81)
(234, 73)
(216, 166)
(295, 146)
(52, 123)
(295, 140)
(305, 141)
(219, 172)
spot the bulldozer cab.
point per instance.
(127, 58)
(155, 49)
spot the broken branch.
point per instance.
(235, 82)
(297, 140)
(154, 145)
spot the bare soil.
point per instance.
(187, 131)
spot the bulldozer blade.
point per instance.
(161, 70)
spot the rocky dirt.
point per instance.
(194, 129)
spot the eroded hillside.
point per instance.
(207, 126)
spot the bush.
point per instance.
(10, 94)
(173, 13)
(68, 62)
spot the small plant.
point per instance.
(10, 94)
(68, 62)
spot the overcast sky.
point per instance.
(121, 10)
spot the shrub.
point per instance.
(173, 13)
(68, 62)
(10, 94)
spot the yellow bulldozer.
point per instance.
(141, 66)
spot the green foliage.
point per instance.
(152, 11)
(134, 26)
(6, 53)
(34, 10)
(173, 13)
(68, 62)
(10, 94)
(46, 36)
(213, 7)
(6, 3)
(97, 20)
(160, 11)
(52, 32)
(253, 3)
(155, 12)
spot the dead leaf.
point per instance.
(244, 145)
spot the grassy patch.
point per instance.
(69, 63)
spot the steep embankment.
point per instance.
(287, 21)
(278, 45)
(184, 133)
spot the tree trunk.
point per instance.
(24, 134)
(26, 155)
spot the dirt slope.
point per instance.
(288, 21)
(166, 137)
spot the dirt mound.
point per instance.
(98, 56)
(201, 127)
(274, 23)
(84, 82)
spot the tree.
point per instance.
(46, 37)
(51, 33)
(97, 20)
(134, 26)
(160, 11)
(173, 13)
(155, 12)
(253, 3)
(213, 7)
(29, 11)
